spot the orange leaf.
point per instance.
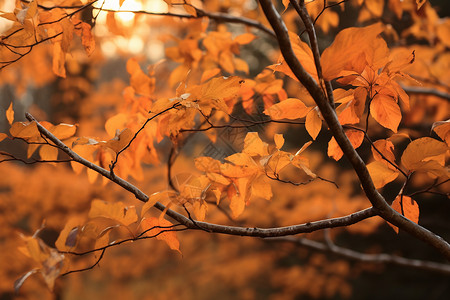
(121, 139)
(290, 108)
(3, 136)
(238, 195)
(59, 59)
(24, 130)
(10, 114)
(190, 10)
(442, 129)
(166, 234)
(244, 38)
(279, 140)
(356, 137)
(47, 152)
(254, 146)
(386, 148)
(63, 131)
(116, 211)
(381, 174)
(313, 123)
(261, 187)
(156, 197)
(304, 55)
(386, 111)
(68, 237)
(421, 154)
(347, 48)
(87, 39)
(407, 207)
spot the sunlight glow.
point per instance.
(137, 42)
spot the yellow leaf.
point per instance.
(421, 153)
(386, 111)
(356, 138)
(290, 108)
(200, 209)
(407, 207)
(276, 162)
(254, 146)
(313, 123)
(381, 174)
(238, 195)
(261, 187)
(10, 114)
(162, 230)
(116, 211)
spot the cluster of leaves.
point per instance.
(207, 90)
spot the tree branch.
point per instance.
(329, 115)
(368, 258)
(426, 91)
(210, 227)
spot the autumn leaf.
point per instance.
(304, 55)
(386, 111)
(290, 108)
(50, 261)
(381, 174)
(442, 129)
(356, 138)
(69, 236)
(254, 146)
(116, 211)
(24, 130)
(407, 207)
(87, 38)
(347, 48)
(385, 147)
(63, 131)
(162, 230)
(10, 114)
(279, 140)
(59, 60)
(121, 140)
(313, 123)
(425, 154)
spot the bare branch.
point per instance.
(368, 258)
(426, 91)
